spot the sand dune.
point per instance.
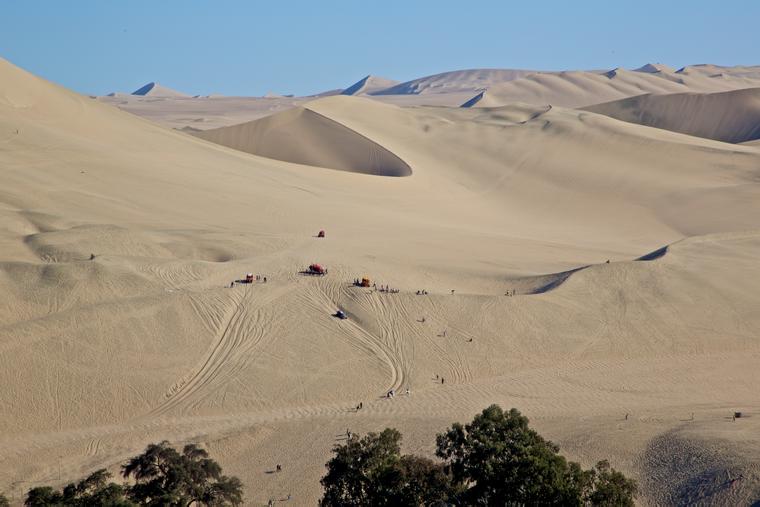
(147, 341)
(369, 85)
(156, 90)
(454, 81)
(484, 87)
(732, 117)
(752, 72)
(302, 136)
(653, 68)
(579, 89)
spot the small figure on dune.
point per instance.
(452, 292)
(232, 284)
(92, 256)
(441, 380)
(278, 467)
(407, 391)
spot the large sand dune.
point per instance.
(147, 341)
(303, 136)
(732, 117)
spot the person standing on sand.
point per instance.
(441, 380)
(407, 391)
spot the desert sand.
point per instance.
(641, 360)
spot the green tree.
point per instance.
(43, 496)
(96, 489)
(608, 487)
(499, 460)
(164, 476)
(371, 471)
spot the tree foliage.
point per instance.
(501, 461)
(372, 471)
(94, 490)
(497, 459)
(162, 476)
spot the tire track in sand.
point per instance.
(243, 328)
(319, 299)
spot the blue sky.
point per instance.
(251, 48)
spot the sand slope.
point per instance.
(733, 117)
(148, 342)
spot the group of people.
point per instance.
(386, 288)
(392, 393)
(422, 292)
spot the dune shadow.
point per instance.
(660, 252)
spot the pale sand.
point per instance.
(143, 343)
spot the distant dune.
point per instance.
(455, 81)
(733, 117)
(369, 85)
(156, 90)
(580, 89)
